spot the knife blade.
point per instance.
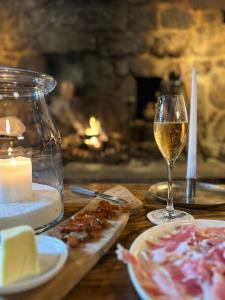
(92, 193)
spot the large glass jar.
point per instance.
(31, 184)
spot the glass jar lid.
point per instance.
(25, 81)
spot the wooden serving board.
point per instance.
(83, 258)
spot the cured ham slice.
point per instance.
(188, 263)
(88, 224)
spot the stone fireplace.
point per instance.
(114, 57)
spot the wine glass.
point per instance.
(170, 131)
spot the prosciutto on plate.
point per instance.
(188, 263)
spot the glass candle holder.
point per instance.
(31, 182)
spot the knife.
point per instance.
(92, 193)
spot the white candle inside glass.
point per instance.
(192, 136)
(15, 179)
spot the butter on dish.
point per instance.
(18, 254)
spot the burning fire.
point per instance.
(93, 141)
(95, 127)
(95, 134)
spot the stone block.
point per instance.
(105, 17)
(147, 65)
(99, 73)
(142, 18)
(203, 66)
(169, 43)
(209, 149)
(221, 155)
(217, 89)
(137, 2)
(10, 59)
(142, 65)
(15, 43)
(208, 41)
(220, 62)
(53, 15)
(176, 17)
(126, 89)
(207, 4)
(114, 44)
(32, 60)
(121, 67)
(212, 16)
(219, 129)
(58, 26)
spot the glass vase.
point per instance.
(31, 182)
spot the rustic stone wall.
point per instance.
(104, 45)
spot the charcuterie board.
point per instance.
(82, 258)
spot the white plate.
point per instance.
(152, 234)
(52, 255)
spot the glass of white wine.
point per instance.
(170, 131)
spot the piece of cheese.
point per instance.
(18, 255)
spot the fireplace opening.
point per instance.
(147, 90)
(223, 14)
(86, 135)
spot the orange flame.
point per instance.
(95, 127)
(93, 141)
(94, 132)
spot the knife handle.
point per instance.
(82, 191)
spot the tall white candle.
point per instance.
(15, 179)
(192, 136)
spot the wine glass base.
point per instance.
(161, 216)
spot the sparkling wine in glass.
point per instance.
(170, 131)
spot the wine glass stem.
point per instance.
(169, 206)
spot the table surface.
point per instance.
(109, 279)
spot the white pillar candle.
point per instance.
(15, 179)
(192, 136)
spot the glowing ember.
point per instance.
(93, 141)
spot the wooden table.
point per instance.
(109, 278)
